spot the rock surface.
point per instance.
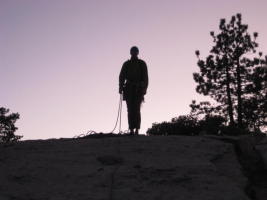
(120, 168)
(262, 149)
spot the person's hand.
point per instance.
(120, 90)
(144, 91)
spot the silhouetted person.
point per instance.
(133, 82)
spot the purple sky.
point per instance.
(60, 59)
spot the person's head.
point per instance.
(134, 51)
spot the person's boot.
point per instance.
(131, 132)
(136, 131)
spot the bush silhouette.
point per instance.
(212, 124)
(190, 125)
(7, 126)
(182, 125)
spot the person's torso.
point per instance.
(134, 71)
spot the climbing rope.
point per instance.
(118, 117)
(118, 120)
(85, 134)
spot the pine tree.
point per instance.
(255, 100)
(229, 71)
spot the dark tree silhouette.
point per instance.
(7, 125)
(229, 74)
(255, 101)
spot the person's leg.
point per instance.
(137, 114)
(130, 110)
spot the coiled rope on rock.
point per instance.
(118, 120)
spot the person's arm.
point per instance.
(122, 77)
(145, 75)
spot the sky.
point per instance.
(60, 59)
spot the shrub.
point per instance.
(190, 125)
(7, 126)
(182, 125)
(234, 131)
(212, 124)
